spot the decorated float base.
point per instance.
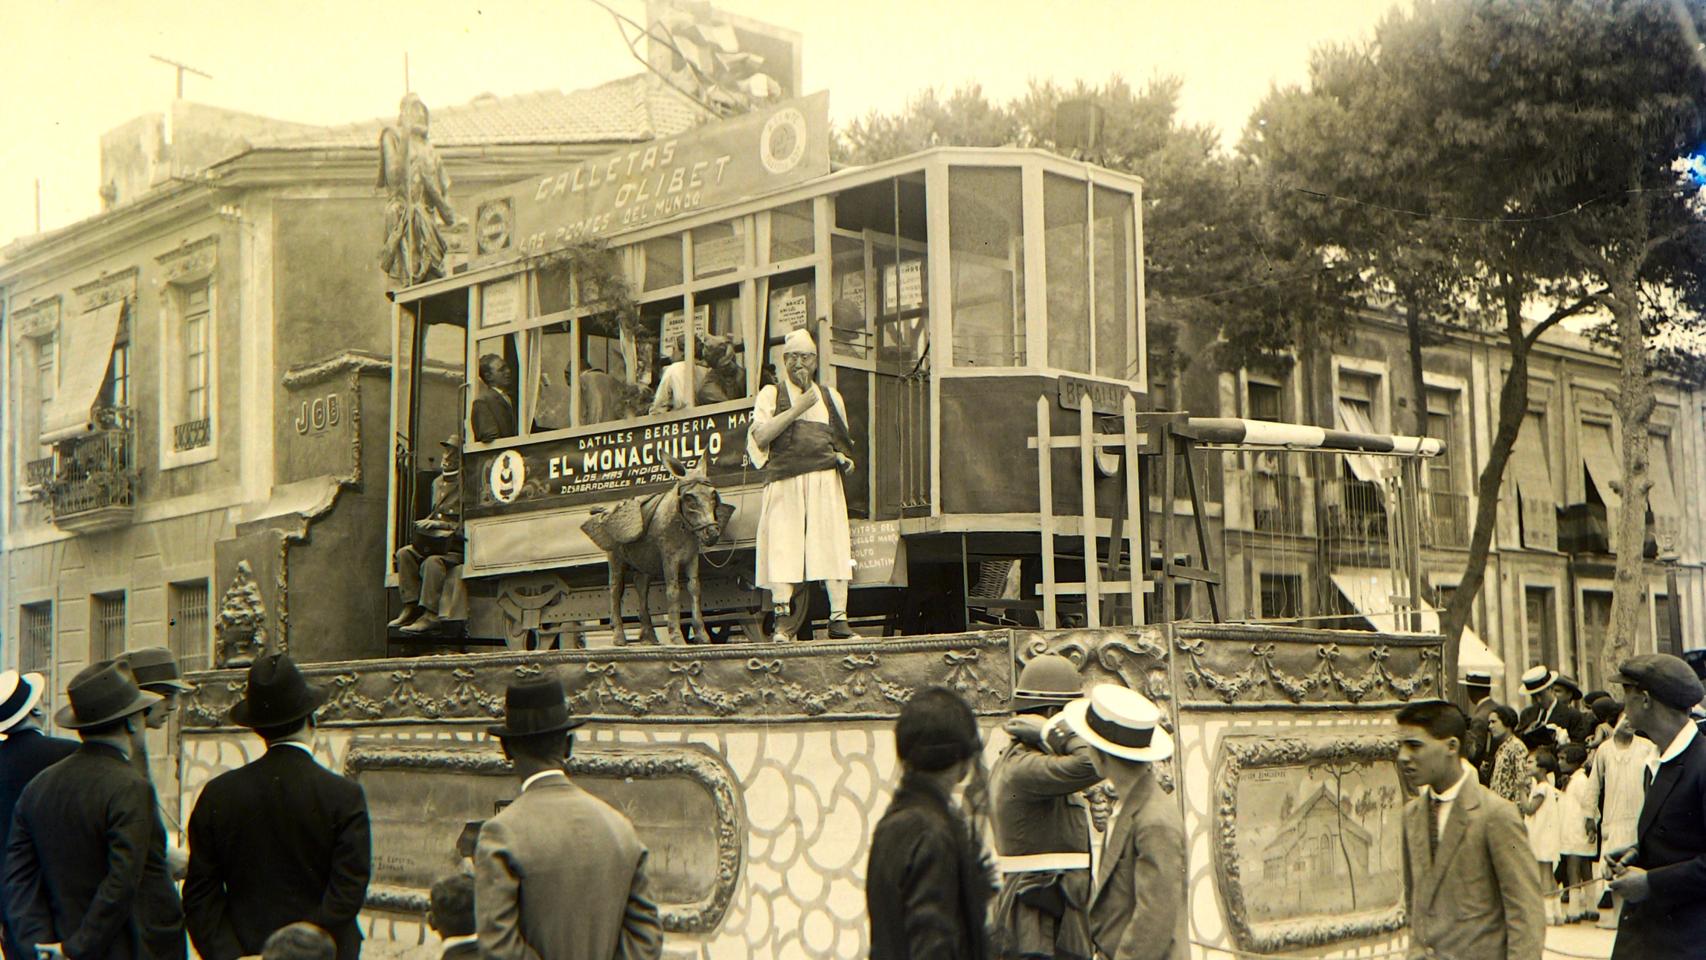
(756, 773)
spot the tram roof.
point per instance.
(843, 179)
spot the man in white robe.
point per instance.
(802, 444)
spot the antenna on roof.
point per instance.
(182, 68)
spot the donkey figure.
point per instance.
(678, 522)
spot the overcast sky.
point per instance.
(72, 69)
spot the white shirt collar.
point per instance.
(1678, 743)
(305, 748)
(530, 781)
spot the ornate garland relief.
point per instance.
(681, 798)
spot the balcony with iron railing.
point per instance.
(90, 481)
(1445, 519)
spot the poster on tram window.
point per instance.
(606, 466)
(716, 163)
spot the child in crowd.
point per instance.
(1541, 814)
(1578, 842)
(299, 941)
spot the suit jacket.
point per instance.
(1671, 846)
(22, 755)
(926, 885)
(561, 875)
(1480, 898)
(280, 840)
(1138, 911)
(494, 415)
(74, 860)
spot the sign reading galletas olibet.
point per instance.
(606, 466)
(721, 161)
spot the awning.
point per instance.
(1370, 591)
(1604, 466)
(1366, 468)
(85, 353)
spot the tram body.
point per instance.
(947, 291)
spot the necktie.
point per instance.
(1434, 803)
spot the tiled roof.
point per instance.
(632, 109)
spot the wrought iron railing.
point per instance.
(1445, 519)
(189, 436)
(94, 471)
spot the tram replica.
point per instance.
(981, 312)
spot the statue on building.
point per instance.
(242, 621)
(417, 191)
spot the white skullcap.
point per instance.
(798, 341)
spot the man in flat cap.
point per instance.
(82, 830)
(799, 438)
(1662, 879)
(24, 752)
(282, 839)
(558, 874)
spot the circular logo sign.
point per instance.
(783, 143)
(508, 474)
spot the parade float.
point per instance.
(1014, 493)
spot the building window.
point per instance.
(187, 629)
(106, 628)
(35, 626)
(1282, 596)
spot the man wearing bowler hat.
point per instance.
(558, 874)
(24, 752)
(282, 839)
(82, 831)
(1138, 907)
(1662, 879)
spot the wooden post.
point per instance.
(1045, 512)
(1087, 507)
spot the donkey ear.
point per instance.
(676, 470)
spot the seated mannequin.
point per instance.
(426, 563)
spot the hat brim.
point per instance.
(242, 716)
(503, 732)
(36, 685)
(1160, 744)
(66, 718)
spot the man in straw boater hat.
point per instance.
(927, 883)
(1138, 907)
(24, 752)
(1661, 880)
(1470, 884)
(1041, 824)
(83, 829)
(558, 874)
(281, 839)
(799, 439)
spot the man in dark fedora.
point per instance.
(558, 874)
(82, 831)
(282, 839)
(156, 671)
(24, 752)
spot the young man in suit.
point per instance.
(559, 873)
(24, 752)
(1138, 910)
(83, 829)
(1662, 879)
(280, 840)
(1470, 883)
(927, 884)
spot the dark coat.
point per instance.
(22, 755)
(926, 885)
(280, 840)
(1671, 846)
(74, 860)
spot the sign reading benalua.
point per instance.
(604, 466)
(1103, 398)
(717, 163)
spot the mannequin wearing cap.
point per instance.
(280, 839)
(1662, 877)
(1139, 905)
(423, 566)
(24, 752)
(1041, 829)
(927, 884)
(801, 442)
(558, 873)
(83, 830)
